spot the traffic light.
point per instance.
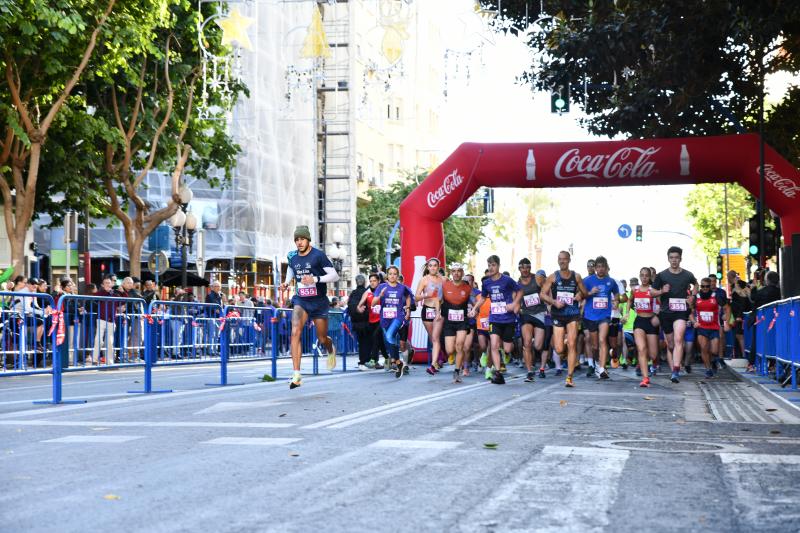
(559, 98)
(753, 230)
(769, 243)
(720, 267)
(639, 233)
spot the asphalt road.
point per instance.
(368, 452)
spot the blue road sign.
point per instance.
(624, 231)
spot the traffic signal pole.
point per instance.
(762, 259)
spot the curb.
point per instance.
(771, 388)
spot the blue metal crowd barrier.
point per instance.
(774, 335)
(92, 332)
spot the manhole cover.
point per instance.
(676, 446)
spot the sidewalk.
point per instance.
(770, 387)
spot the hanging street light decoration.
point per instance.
(316, 44)
(233, 29)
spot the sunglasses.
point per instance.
(705, 286)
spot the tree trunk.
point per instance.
(17, 252)
(135, 245)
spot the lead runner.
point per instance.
(311, 271)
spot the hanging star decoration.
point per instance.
(316, 43)
(233, 29)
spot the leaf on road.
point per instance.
(490, 445)
(771, 409)
(282, 414)
(562, 403)
(267, 377)
(649, 398)
(111, 497)
(294, 454)
(774, 432)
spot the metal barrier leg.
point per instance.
(223, 360)
(149, 357)
(57, 375)
(275, 347)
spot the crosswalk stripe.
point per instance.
(252, 441)
(416, 444)
(99, 439)
(759, 458)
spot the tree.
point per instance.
(377, 215)
(653, 68)
(147, 105)
(705, 207)
(46, 48)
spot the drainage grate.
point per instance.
(743, 403)
(668, 445)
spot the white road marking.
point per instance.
(252, 441)
(759, 458)
(558, 501)
(145, 424)
(100, 439)
(499, 407)
(368, 414)
(222, 407)
(416, 444)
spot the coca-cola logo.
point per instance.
(784, 185)
(628, 162)
(451, 182)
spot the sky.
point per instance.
(491, 106)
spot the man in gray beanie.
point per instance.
(311, 271)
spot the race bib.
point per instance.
(455, 315)
(497, 308)
(531, 299)
(600, 302)
(706, 317)
(565, 297)
(641, 304)
(376, 309)
(430, 313)
(307, 292)
(389, 312)
(484, 323)
(677, 304)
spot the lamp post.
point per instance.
(184, 224)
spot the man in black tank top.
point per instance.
(564, 308)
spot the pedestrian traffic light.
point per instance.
(639, 233)
(770, 249)
(753, 230)
(720, 267)
(559, 98)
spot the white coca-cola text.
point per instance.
(450, 183)
(629, 162)
(784, 185)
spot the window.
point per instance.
(380, 174)
(389, 111)
(397, 113)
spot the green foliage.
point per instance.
(705, 208)
(377, 215)
(652, 68)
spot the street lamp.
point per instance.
(184, 224)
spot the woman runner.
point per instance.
(429, 291)
(454, 303)
(645, 331)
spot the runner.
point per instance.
(603, 293)
(677, 288)
(469, 342)
(454, 306)
(721, 296)
(707, 315)
(531, 316)
(482, 326)
(585, 350)
(395, 302)
(564, 291)
(617, 312)
(311, 271)
(505, 298)
(645, 332)
(429, 292)
(406, 351)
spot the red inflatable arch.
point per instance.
(731, 158)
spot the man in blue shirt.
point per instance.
(311, 271)
(603, 295)
(505, 297)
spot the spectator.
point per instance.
(134, 312)
(768, 293)
(740, 304)
(91, 289)
(70, 311)
(149, 293)
(360, 322)
(215, 295)
(104, 330)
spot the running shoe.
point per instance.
(332, 357)
(392, 368)
(568, 382)
(603, 375)
(362, 368)
(722, 363)
(498, 379)
(559, 371)
(541, 373)
(623, 361)
(709, 373)
(399, 371)
(638, 372)
(431, 370)
(614, 363)
(688, 369)
(529, 377)
(451, 359)
(645, 383)
(487, 373)
(370, 364)
(506, 357)
(405, 369)
(675, 378)
(590, 372)
(484, 360)
(456, 376)
(296, 381)
(465, 372)
(377, 366)
(653, 370)
(503, 367)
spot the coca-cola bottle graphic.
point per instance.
(530, 166)
(684, 160)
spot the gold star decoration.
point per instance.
(233, 29)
